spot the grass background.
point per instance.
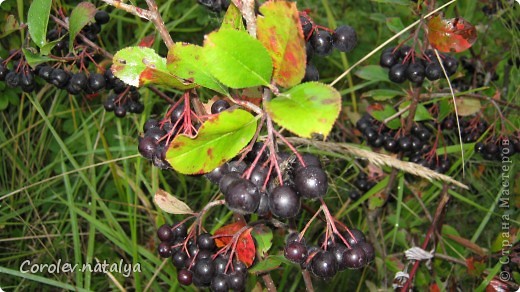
(73, 187)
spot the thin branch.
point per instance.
(152, 15)
(159, 23)
(378, 159)
(445, 198)
(269, 284)
(308, 281)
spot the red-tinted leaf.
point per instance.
(225, 233)
(245, 248)
(279, 31)
(434, 288)
(147, 41)
(451, 35)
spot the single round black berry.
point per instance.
(164, 249)
(219, 106)
(311, 182)
(321, 41)
(206, 242)
(355, 257)
(344, 38)
(242, 196)
(219, 283)
(284, 202)
(387, 60)
(96, 81)
(324, 264)
(397, 73)
(101, 17)
(433, 71)
(415, 72)
(184, 277)
(165, 233)
(295, 252)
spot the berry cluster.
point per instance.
(74, 83)
(198, 261)
(90, 31)
(497, 148)
(332, 255)
(478, 74)
(471, 128)
(249, 187)
(321, 40)
(159, 134)
(405, 64)
(125, 98)
(415, 146)
(21, 75)
(155, 142)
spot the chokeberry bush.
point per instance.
(248, 145)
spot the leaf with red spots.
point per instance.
(138, 66)
(451, 35)
(280, 32)
(245, 247)
(306, 109)
(219, 139)
(185, 60)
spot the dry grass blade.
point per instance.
(379, 159)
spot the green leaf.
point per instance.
(372, 73)
(237, 60)
(185, 61)
(387, 112)
(233, 18)
(382, 94)
(279, 30)
(80, 16)
(421, 113)
(263, 236)
(219, 139)
(444, 109)
(269, 264)
(47, 48)
(38, 19)
(138, 66)
(35, 59)
(306, 109)
(394, 24)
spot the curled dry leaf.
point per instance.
(171, 204)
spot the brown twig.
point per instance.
(152, 15)
(308, 281)
(269, 284)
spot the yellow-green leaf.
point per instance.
(219, 139)
(306, 109)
